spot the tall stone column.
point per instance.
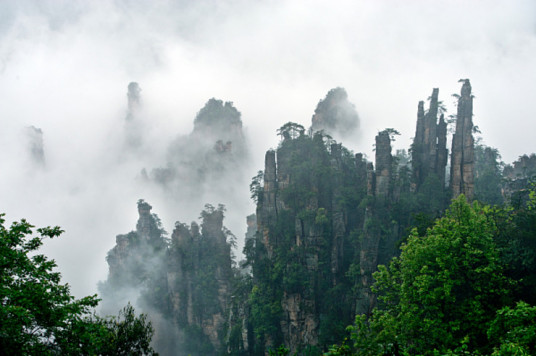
(463, 146)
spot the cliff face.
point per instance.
(462, 159)
(384, 162)
(305, 219)
(184, 285)
(429, 152)
(335, 114)
(199, 276)
(325, 220)
(134, 126)
(137, 266)
(379, 191)
(212, 154)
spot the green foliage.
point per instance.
(256, 188)
(280, 351)
(516, 239)
(391, 132)
(40, 316)
(126, 334)
(488, 177)
(443, 289)
(322, 182)
(291, 130)
(217, 114)
(514, 329)
(335, 113)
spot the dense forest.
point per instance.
(424, 251)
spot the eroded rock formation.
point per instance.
(384, 162)
(184, 285)
(214, 153)
(462, 158)
(335, 114)
(304, 221)
(134, 126)
(199, 278)
(137, 265)
(36, 148)
(378, 192)
(429, 152)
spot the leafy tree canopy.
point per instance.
(218, 114)
(40, 316)
(442, 292)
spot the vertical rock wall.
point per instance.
(134, 127)
(378, 191)
(462, 158)
(384, 162)
(185, 286)
(36, 147)
(199, 278)
(428, 151)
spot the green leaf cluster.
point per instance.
(40, 316)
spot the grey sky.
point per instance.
(65, 66)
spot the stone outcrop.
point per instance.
(335, 114)
(384, 163)
(134, 100)
(36, 148)
(522, 168)
(517, 180)
(378, 191)
(199, 276)
(429, 152)
(137, 265)
(184, 285)
(462, 157)
(134, 126)
(325, 220)
(304, 220)
(214, 153)
(126, 258)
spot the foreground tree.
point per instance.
(442, 292)
(39, 315)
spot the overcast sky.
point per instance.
(65, 67)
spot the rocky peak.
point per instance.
(134, 99)
(134, 127)
(462, 159)
(429, 153)
(35, 144)
(212, 224)
(147, 226)
(335, 114)
(384, 161)
(219, 119)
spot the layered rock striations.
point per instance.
(184, 285)
(384, 162)
(305, 219)
(325, 219)
(137, 266)
(462, 158)
(379, 184)
(199, 278)
(429, 152)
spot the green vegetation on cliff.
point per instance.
(455, 289)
